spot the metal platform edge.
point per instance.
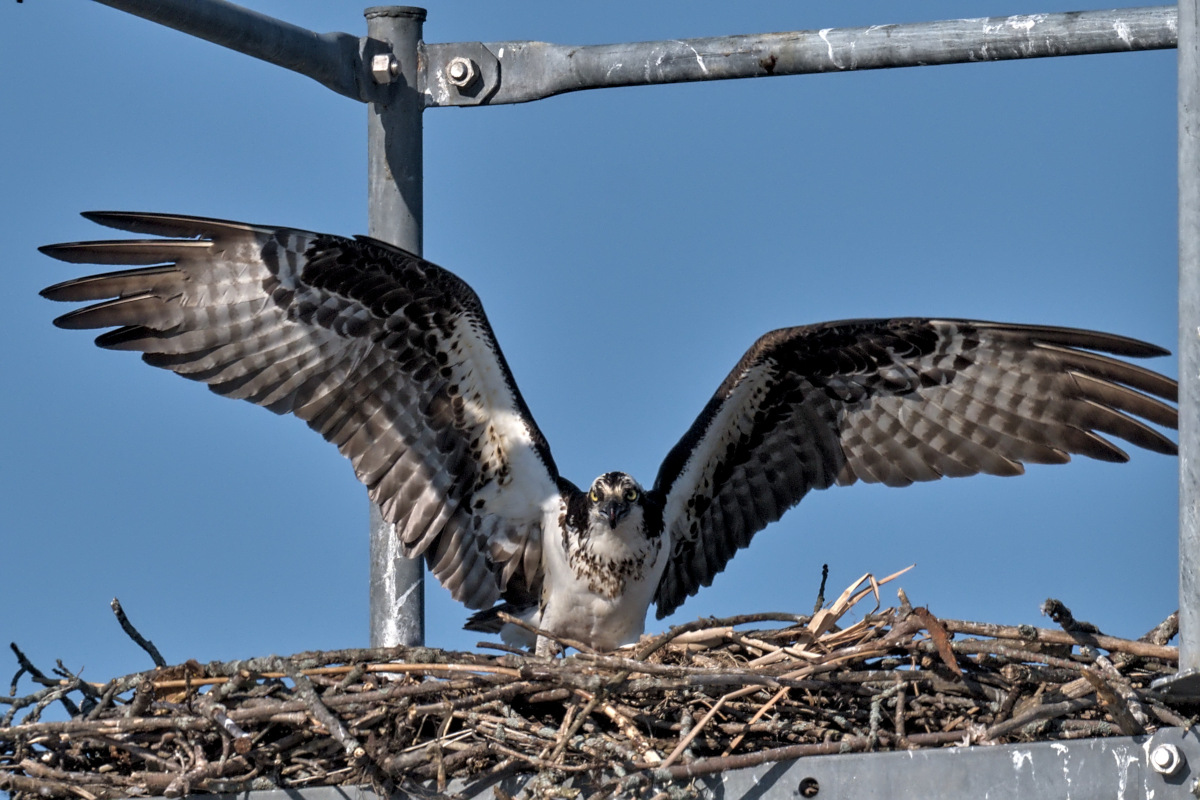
(1163, 765)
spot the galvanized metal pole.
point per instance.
(330, 58)
(394, 180)
(517, 72)
(1189, 337)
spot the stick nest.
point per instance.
(702, 698)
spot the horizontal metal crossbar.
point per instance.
(533, 70)
(331, 59)
(471, 73)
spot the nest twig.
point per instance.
(702, 698)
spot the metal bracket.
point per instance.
(459, 74)
(1183, 684)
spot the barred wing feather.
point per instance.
(893, 401)
(387, 356)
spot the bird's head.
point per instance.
(612, 497)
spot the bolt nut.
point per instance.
(1166, 759)
(384, 67)
(461, 72)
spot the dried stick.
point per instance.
(1057, 611)
(1113, 705)
(47, 788)
(691, 735)
(565, 737)
(941, 639)
(759, 714)
(321, 712)
(898, 717)
(38, 676)
(536, 631)
(148, 756)
(653, 645)
(132, 633)
(242, 741)
(500, 692)
(341, 670)
(1046, 711)
(23, 702)
(821, 590)
(1163, 632)
(1028, 633)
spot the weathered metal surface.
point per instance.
(331, 59)
(533, 70)
(395, 202)
(1189, 340)
(437, 74)
(1115, 767)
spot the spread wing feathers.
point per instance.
(387, 356)
(893, 402)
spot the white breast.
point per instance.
(599, 594)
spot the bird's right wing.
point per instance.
(387, 356)
(893, 401)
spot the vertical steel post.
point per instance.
(1189, 336)
(394, 175)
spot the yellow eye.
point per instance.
(631, 495)
(595, 498)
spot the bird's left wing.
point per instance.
(387, 356)
(893, 401)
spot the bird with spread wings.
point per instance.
(392, 359)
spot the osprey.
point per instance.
(392, 359)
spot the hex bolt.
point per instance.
(384, 67)
(461, 71)
(1166, 759)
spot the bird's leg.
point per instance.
(547, 647)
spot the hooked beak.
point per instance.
(614, 511)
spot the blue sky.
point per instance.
(628, 245)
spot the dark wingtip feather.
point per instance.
(72, 252)
(1082, 338)
(126, 252)
(1154, 351)
(1100, 341)
(126, 337)
(54, 250)
(154, 224)
(113, 284)
(56, 291)
(76, 320)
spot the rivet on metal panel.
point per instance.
(462, 72)
(1166, 759)
(384, 68)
